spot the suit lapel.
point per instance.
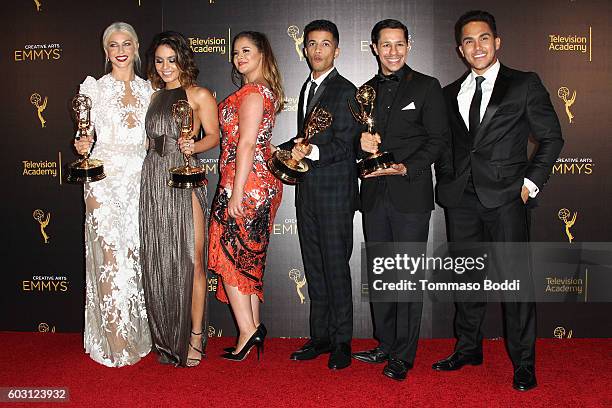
(300, 116)
(499, 91)
(454, 92)
(319, 93)
(402, 89)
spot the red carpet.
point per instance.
(573, 373)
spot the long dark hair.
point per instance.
(184, 59)
(270, 69)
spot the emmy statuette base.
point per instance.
(85, 171)
(187, 177)
(378, 161)
(284, 168)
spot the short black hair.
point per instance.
(471, 16)
(388, 23)
(322, 25)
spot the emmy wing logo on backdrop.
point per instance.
(560, 333)
(212, 332)
(35, 100)
(293, 32)
(38, 5)
(39, 215)
(564, 215)
(300, 281)
(44, 328)
(563, 93)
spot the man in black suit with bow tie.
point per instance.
(486, 179)
(410, 123)
(326, 199)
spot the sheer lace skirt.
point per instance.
(116, 326)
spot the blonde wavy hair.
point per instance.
(129, 30)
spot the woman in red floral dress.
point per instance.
(248, 195)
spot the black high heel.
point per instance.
(193, 362)
(256, 340)
(261, 328)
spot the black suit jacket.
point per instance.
(497, 155)
(416, 133)
(331, 183)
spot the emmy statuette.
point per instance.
(84, 170)
(365, 96)
(186, 176)
(282, 165)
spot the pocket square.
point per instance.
(410, 106)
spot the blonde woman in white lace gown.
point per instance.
(116, 326)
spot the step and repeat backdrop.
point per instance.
(49, 47)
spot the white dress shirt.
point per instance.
(464, 99)
(314, 153)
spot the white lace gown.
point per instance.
(116, 326)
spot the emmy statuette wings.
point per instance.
(186, 176)
(365, 97)
(84, 170)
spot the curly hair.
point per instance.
(184, 59)
(270, 69)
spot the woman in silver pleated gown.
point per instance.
(173, 220)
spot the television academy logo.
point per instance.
(293, 31)
(38, 5)
(210, 45)
(35, 100)
(564, 215)
(43, 220)
(572, 43)
(300, 281)
(291, 104)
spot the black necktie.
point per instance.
(474, 117)
(311, 92)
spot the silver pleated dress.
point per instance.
(167, 234)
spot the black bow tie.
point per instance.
(390, 77)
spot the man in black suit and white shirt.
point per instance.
(486, 179)
(326, 199)
(397, 202)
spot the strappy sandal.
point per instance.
(193, 362)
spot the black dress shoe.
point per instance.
(524, 378)
(374, 356)
(396, 369)
(455, 361)
(312, 349)
(340, 357)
